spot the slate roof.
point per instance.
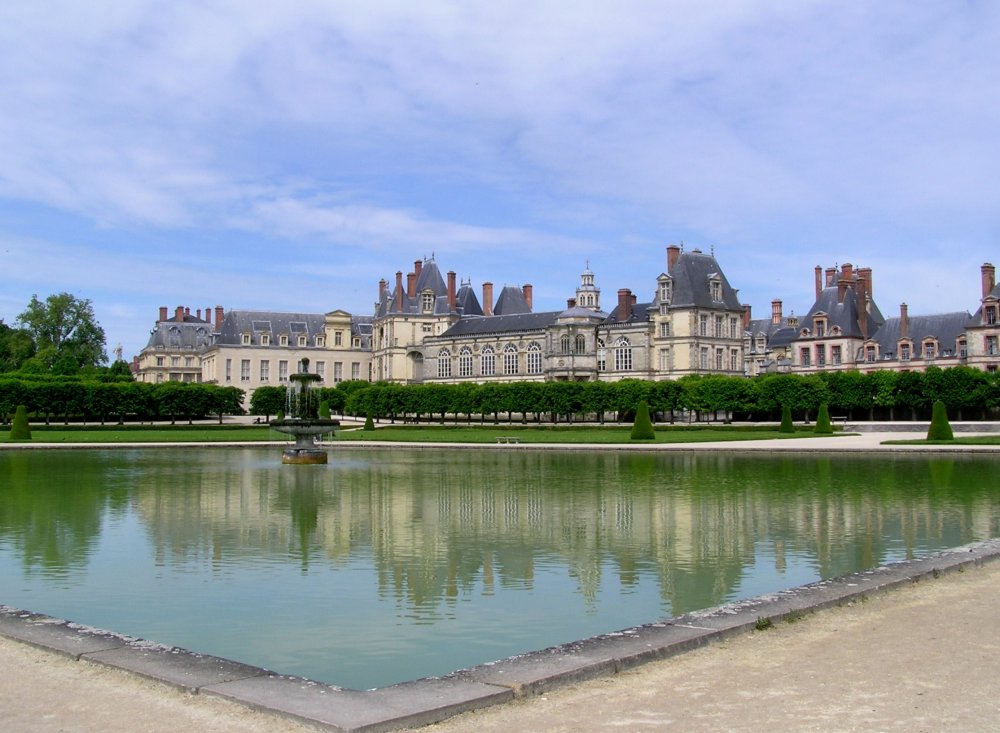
(428, 279)
(488, 325)
(172, 334)
(511, 301)
(691, 275)
(466, 301)
(235, 323)
(842, 313)
(777, 335)
(976, 319)
(945, 327)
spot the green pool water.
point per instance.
(390, 565)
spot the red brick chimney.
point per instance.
(989, 278)
(904, 322)
(399, 291)
(624, 304)
(163, 312)
(865, 273)
(776, 312)
(411, 284)
(451, 292)
(819, 281)
(746, 317)
(179, 313)
(198, 316)
(831, 274)
(847, 271)
(382, 284)
(418, 265)
(526, 290)
(673, 252)
(487, 299)
(219, 313)
(208, 314)
(862, 291)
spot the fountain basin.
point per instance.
(304, 430)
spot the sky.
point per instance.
(287, 156)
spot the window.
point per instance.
(869, 354)
(283, 340)
(929, 350)
(302, 340)
(821, 356)
(265, 339)
(321, 341)
(265, 370)
(760, 343)
(904, 352)
(703, 325)
(623, 355)
(665, 362)
(338, 338)
(564, 344)
(734, 360)
(835, 352)
(991, 315)
(666, 291)
(602, 356)
(245, 370)
(175, 361)
(534, 359)
(427, 302)
(426, 328)
(991, 346)
(664, 329)
(229, 370)
(720, 322)
(719, 359)
(703, 358)
(338, 372)
(716, 286)
(465, 362)
(282, 371)
(444, 363)
(488, 362)
(581, 344)
(355, 370)
(510, 359)
(805, 357)
(321, 370)
(820, 325)
(246, 339)
(356, 342)
(734, 331)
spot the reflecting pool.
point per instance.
(385, 566)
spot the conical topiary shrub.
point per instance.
(823, 426)
(324, 410)
(19, 429)
(786, 420)
(369, 423)
(940, 428)
(642, 428)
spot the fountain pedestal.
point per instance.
(303, 422)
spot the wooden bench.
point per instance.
(508, 439)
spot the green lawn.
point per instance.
(964, 440)
(150, 434)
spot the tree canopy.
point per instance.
(65, 333)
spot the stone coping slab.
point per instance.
(429, 700)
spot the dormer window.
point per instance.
(427, 302)
(991, 315)
(820, 325)
(716, 287)
(356, 342)
(283, 340)
(666, 291)
(246, 339)
(302, 340)
(265, 339)
(338, 338)
(904, 352)
(321, 341)
(930, 349)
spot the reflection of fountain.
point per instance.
(302, 419)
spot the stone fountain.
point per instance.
(302, 420)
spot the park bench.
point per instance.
(508, 439)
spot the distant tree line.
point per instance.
(968, 394)
(59, 335)
(100, 400)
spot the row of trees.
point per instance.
(967, 393)
(58, 335)
(92, 400)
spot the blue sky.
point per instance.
(289, 155)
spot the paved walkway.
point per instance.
(925, 657)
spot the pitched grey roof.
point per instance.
(691, 275)
(172, 334)
(945, 327)
(843, 314)
(511, 301)
(483, 325)
(777, 335)
(466, 302)
(236, 323)
(640, 312)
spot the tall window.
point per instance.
(720, 360)
(534, 359)
(664, 329)
(355, 370)
(229, 370)
(265, 370)
(869, 354)
(929, 351)
(444, 363)
(602, 356)
(716, 290)
(564, 343)
(734, 328)
(283, 371)
(321, 370)
(465, 362)
(665, 365)
(510, 359)
(427, 302)
(821, 356)
(804, 355)
(245, 370)
(991, 315)
(666, 291)
(991, 345)
(265, 339)
(904, 352)
(623, 355)
(488, 362)
(734, 360)
(703, 358)
(338, 338)
(703, 325)
(835, 355)
(581, 344)
(720, 326)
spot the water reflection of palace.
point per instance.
(440, 525)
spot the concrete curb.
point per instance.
(426, 701)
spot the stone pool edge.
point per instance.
(430, 700)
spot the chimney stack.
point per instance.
(819, 281)
(673, 252)
(198, 316)
(570, 303)
(746, 317)
(451, 292)
(526, 290)
(904, 322)
(776, 314)
(163, 312)
(187, 312)
(831, 273)
(418, 265)
(989, 278)
(847, 271)
(219, 313)
(487, 299)
(624, 304)
(399, 291)
(179, 314)
(862, 292)
(208, 314)
(382, 284)
(411, 284)
(865, 273)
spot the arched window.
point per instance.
(465, 362)
(510, 359)
(564, 343)
(535, 358)
(580, 346)
(444, 363)
(488, 362)
(623, 355)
